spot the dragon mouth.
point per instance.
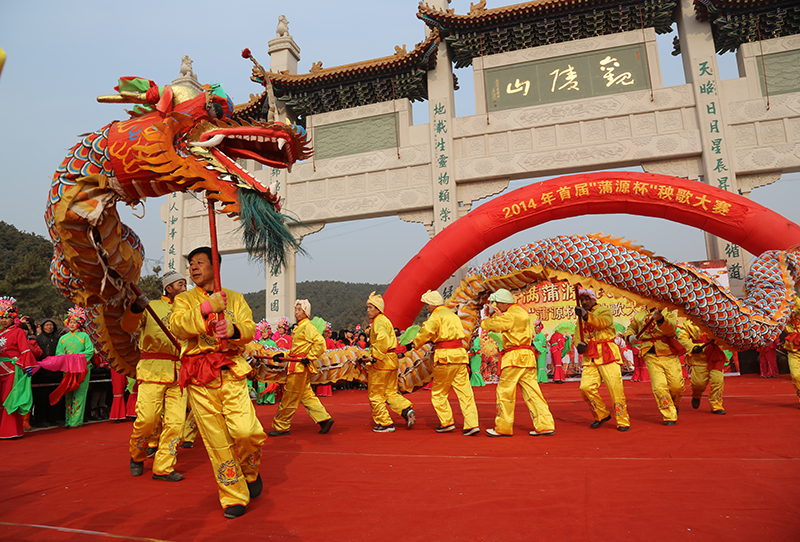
(269, 146)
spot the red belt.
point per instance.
(456, 343)
(609, 356)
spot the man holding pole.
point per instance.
(214, 327)
(601, 360)
(157, 374)
(517, 366)
(660, 349)
(446, 331)
(307, 346)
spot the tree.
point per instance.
(150, 285)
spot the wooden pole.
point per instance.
(212, 228)
(152, 313)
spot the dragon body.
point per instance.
(617, 267)
(180, 140)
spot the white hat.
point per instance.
(502, 296)
(170, 277)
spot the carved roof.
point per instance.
(541, 22)
(401, 75)
(734, 22)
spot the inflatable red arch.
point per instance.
(724, 214)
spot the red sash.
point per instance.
(715, 357)
(69, 382)
(158, 355)
(455, 343)
(203, 368)
(609, 356)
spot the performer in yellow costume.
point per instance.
(382, 368)
(602, 360)
(157, 375)
(791, 342)
(707, 361)
(214, 329)
(660, 349)
(445, 330)
(307, 346)
(517, 366)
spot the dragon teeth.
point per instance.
(281, 143)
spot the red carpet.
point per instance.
(722, 478)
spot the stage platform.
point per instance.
(722, 478)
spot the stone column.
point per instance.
(284, 54)
(441, 108)
(718, 160)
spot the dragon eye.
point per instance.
(215, 111)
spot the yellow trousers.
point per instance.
(794, 369)
(189, 427)
(382, 390)
(701, 378)
(297, 391)
(666, 377)
(232, 434)
(611, 374)
(507, 397)
(154, 400)
(455, 376)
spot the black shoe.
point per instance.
(188, 444)
(695, 403)
(255, 487)
(720, 411)
(669, 422)
(137, 467)
(383, 428)
(235, 511)
(151, 451)
(446, 429)
(597, 423)
(171, 477)
(272, 434)
(325, 426)
(409, 416)
(471, 432)
(623, 428)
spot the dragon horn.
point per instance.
(124, 97)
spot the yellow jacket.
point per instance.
(306, 343)
(655, 337)
(186, 322)
(792, 342)
(158, 360)
(442, 325)
(515, 326)
(382, 343)
(599, 334)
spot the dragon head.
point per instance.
(180, 139)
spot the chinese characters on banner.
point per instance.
(584, 75)
(697, 199)
(444, 199)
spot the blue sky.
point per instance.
(62, 55)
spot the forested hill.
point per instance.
(343, 304)
(25, 273)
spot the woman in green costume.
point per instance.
(264, 337)
(540, 344)
(475, 358)
(76, 341)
